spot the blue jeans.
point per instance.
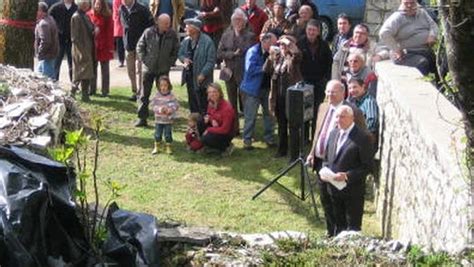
(46, 67)
(251, 104)
(165, 129)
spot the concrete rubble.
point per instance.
(34, 110)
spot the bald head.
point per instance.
(335, 92)
(163, 22)
(344, 117)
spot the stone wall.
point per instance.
(424, 195)
(376, 12)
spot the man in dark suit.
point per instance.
(325, 123)
(349, 156)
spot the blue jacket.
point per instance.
(253, 70)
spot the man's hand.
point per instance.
(187, 62)
(397, 54)
(310, 159)
(431, 40)
(206, 119)
(340, 176)
(200, 78)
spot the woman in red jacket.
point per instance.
(118, 32)
(101, 17)
(219, 121)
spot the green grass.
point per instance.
(196, 189)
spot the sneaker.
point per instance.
(248, 146)
(228, 151)
(141, 123)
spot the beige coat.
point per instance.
(82, 47)
(178, 11)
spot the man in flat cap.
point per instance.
(198, 54)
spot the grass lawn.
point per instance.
(196, 189)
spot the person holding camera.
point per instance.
(255, 88)
(198, 54)
(284, 65)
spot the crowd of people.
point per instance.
(261, 52)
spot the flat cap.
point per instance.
(280, 2)
(195, 22)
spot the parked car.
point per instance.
(330, 9)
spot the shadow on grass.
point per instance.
(248, 166)
(116, 102)
(126, 140)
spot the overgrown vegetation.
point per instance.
(74, 154)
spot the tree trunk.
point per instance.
(17, 20)
(458, 22)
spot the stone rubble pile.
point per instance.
(208, 248)
(33, 109)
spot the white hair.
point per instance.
(238, 12)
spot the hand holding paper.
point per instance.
(329, 176)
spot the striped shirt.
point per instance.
(368, 105)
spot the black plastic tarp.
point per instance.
(38, 222)
(131, 238)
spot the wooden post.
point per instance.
(17, 22)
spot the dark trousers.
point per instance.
(294, 144)
(325, 199)
(197, 99)
(348, 209)
(64, 48)
(144, 95)
(216, 141)
(163, 129)
(84, 86)
(105, 76)
(233, 95)
(120, 49)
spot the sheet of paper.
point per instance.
(327, 175)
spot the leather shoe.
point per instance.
(141, 123)
(133, 98)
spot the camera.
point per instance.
(275, 49)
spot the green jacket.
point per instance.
(158, 59)
(204, 59)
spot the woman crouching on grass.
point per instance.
(219, 121)
(165, 106)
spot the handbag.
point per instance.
(225, 74)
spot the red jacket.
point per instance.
(224, 115)
(118, 28)
(256, 19)
(104, 40)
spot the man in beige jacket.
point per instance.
(174, 8)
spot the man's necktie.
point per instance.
(324, 132)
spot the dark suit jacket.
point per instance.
(134, 24)
(354, 157)
(323, 110)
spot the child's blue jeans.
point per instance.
(165, 129)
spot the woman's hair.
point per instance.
(194, 117)
(167, 80)
(218, 88)
(359, 81)
(104, 10)
(238, 12)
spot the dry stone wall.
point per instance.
(376, 12)
(424, 194)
